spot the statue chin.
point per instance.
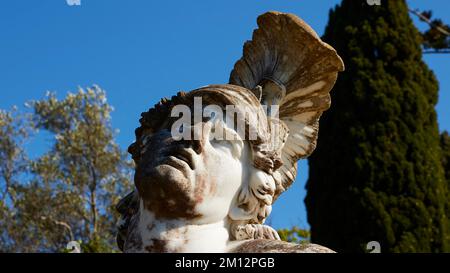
(167, 192)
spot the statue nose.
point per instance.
(201, 133)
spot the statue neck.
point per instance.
(169, 235)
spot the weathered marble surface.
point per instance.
(274, 246)
(212, 195)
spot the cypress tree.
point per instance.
(376, 174)
(445, 146)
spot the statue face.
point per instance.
(195, 179)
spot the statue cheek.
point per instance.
(201, 188)
(206, 185)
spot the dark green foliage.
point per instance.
(437, 37)
(434, 38)
(445, 146)
(376, 174)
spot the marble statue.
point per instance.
(196, 192)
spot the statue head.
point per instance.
(226, 152)
(220, 166)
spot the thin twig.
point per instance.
(447, 51)
(428, 21)
(59, 223)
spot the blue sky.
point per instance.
(141, 50)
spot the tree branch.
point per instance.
(428, 21)
(60, 223)
(446, 51)
(93, 203)
(7, 177)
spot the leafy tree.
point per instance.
(294, 235)
(13, 163)
(376, 174)
(71, 190)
